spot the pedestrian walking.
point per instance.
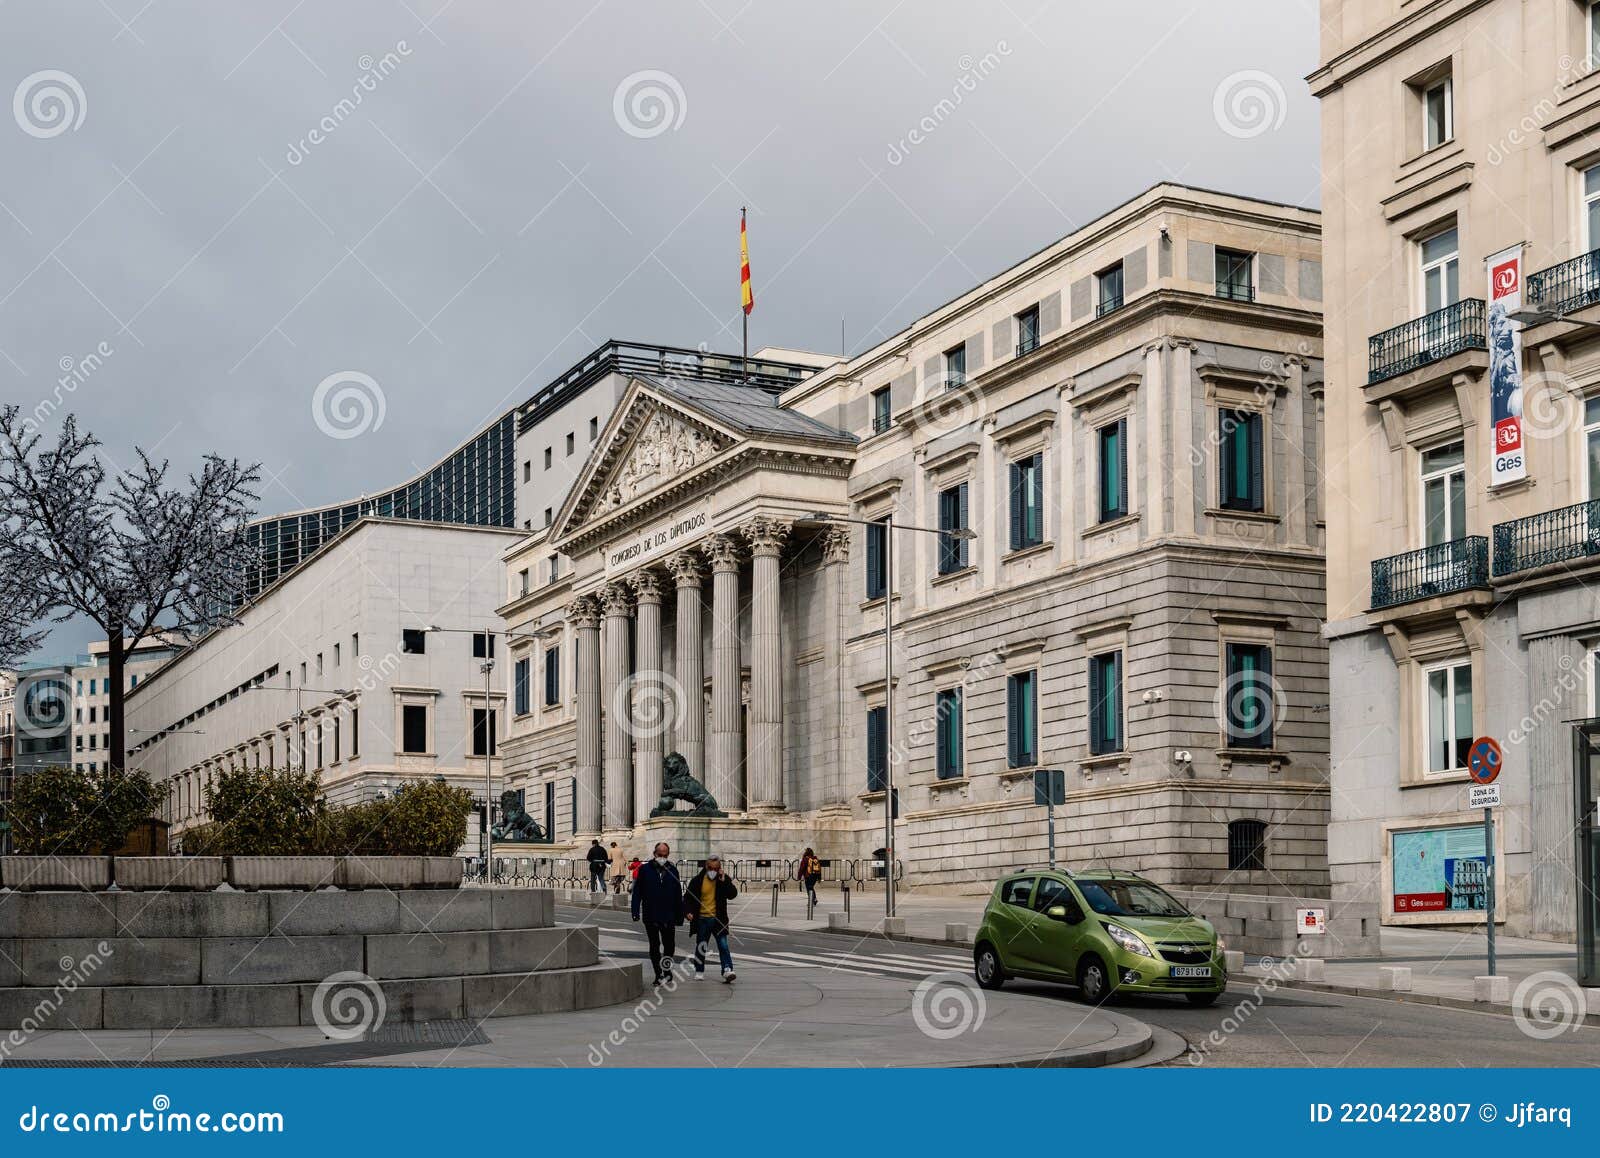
(619, 868)
(658, 902)
(810, 873)
(598, 859)
(705, 903)
(633, 868)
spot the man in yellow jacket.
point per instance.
(705, 903)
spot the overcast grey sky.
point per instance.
(519, 182)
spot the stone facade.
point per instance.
(750, 529)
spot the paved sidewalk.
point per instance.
(770, 1017)
(925, 914)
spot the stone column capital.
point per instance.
(647, 586)
(686, 567)
(617, 600)
(584, 611)
(767, 536)
(724, 553)
(836, 544)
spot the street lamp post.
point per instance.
(487, 667)
(889, 528)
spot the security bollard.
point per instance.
(774, 900)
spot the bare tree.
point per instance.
(23, 599)
(123, 548)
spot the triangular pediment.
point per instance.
(648, 444)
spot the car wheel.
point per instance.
(986, 965)
(1202, 998)
(1094, 980)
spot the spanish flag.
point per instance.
(746, 295)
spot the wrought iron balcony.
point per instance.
(1548, 537)
(1236, 291)
(1441, 569)
(1569, 286)
(1107, 305)
(1427, 339)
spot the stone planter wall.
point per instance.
(31, 873)
(131, 960)
(57, 873)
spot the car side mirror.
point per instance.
(1061, 913)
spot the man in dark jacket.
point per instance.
(658, 901)
(705, 902)
(598, 859)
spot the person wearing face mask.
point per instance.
(705, 902)
(658, 901)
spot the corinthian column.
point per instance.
(651, 695)
(584, 616)
(765, 758)
(617, 778)
(829, 786)
(722, 769)
(690, 726)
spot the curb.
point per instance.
(906, 937)
(1402, 997)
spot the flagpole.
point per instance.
(744, 314)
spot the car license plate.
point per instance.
(1191, 971)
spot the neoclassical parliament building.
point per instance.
(1097, 478)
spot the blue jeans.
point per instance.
(705, 928)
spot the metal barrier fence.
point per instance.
(569, 873)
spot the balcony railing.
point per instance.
(1027, 345)
(880, 423)
(1569, 286)
(1236, 291)
(1458, 565)
(1427, 339)
(1107, 305)
(1548, 537)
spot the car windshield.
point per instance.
(1113, 898)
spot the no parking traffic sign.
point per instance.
(1483, 760)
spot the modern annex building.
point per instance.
(1127, 423)
(1462, 241)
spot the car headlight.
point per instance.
(1128, 941)
(1222, 944)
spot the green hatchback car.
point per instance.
(1103, 930)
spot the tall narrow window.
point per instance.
(877, 749)
(1248, 695)
(1444, 494)
(594, 429)
(877, 560)
(1027, 330)
(880, 410)
(549, 809)
(1247, 846)
(355, 731)
(520, 687)
(952, 517)
(955, 367)
(1449, 693)
(1109, 284)
(1591, 438)
(1105, 703)
(1441, 271)
(948, 757)
(1022, 719)
(336, 739)
(552, 677)
(1027, 502)
(1591, 203)
(1241, 454)
(483, 732)
(1235, 275)
(1438, 113)
(413, 730)
(1113, 468)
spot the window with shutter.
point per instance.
(1027, 502)
(952, 517)
(1105, 703)
(1113, 466)
(1241, 452)
(948, 759)
(1248, 695)
(552, 677)
(877, 579)
(877, 749)
(1022, 731)
(521, 685)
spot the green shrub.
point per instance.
(64, 812)
(262, 812)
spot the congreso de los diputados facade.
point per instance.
(1087, 493)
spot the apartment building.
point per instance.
(1462, 280)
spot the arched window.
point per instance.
(1247, 845)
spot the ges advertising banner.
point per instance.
(1505, 366)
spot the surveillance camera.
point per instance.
(1154, 696)
(1183, 756)
(1165, 232)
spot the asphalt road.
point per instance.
(1247, 1026)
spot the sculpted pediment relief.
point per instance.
(666, 447)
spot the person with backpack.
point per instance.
(809, 873)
